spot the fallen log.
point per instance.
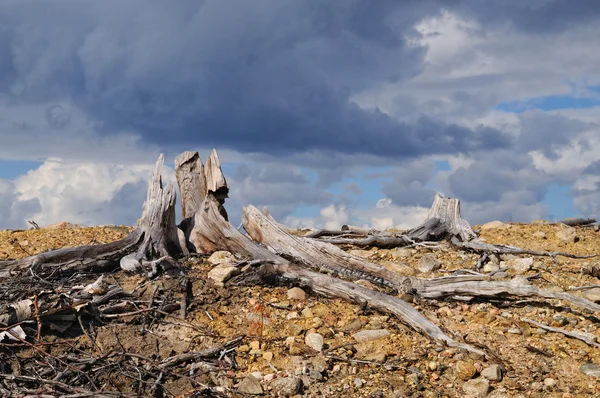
(575, 222)
(329, 286)
(323, 256)
(155, 236)
(478, 246)
(211, 232)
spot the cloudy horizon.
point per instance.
(327, 112)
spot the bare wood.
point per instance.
(215, 233)
(204, 354)
(156, 233)
(575, 222)
(333, 287)
(383, 242)
(215, 180)
(320, 255)
(313, 253)
(478, 246)
(591, 340)
(444, 219)
(478, 286)
(191, 180)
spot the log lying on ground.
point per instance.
(333, 287)
(155, 235)
(478, 246)
(211, 232)
(443, 222)
(575, 222)
(320, 255)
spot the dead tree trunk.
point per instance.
(210, 231)
(323, 256)
(155, 236)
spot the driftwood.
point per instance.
(478, 246)
(155, 235)
(443, 222)
(575, 222)
(213, 232)
(333, 287)
(591, 340)
(323, 256)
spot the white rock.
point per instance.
(314, 341)
(296, 293)
(520, 265)
(493, 373)
(222, 273)
(429, 263)
(568, 235)
(490, 267)
(222, 257)
(476, 388)
(592, 294)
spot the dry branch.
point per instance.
(591, 340)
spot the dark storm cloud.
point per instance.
(268, 76)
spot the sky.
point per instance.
(328, 112)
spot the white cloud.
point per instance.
(86, 193)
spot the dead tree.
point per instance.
(306, 262)
(154, 237)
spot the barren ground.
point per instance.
(537, 363)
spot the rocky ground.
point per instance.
(299, 344)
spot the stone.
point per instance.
(539, 234)
(319, 363)
(307, 313)
(358, 383)
(399, 268)
(476, 388)
(250, 385)
(370, 335)
(494, 225)
(490, 267)
(267, 356)
(591, 369)
(400, 253)
(287, 386)
(354, 325)
(429, 263)
(222, 273)
(567, 235)
(314, 341)
(316, 375)
(592, 294)
(520, 265)
(376, 357)
(465, 370)
(493, 373)
(222, 257)
(549, 382)
(296, 293)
